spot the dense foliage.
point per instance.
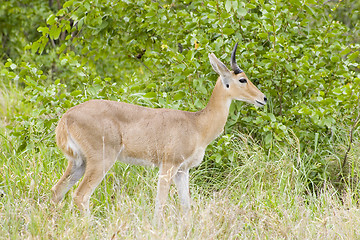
(286, 171)
(303, 54)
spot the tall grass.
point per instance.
(262, 194)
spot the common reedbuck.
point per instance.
(94, 134)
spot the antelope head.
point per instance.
(236, 83)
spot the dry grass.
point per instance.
(262, 199)
(218, 217)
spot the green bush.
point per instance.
(154, 53)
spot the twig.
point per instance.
(190, 90)
(41, 139)
(10, 143)
(145, 65)
(353, 127)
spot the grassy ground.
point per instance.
(261, 196)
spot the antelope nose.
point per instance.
(265, 99)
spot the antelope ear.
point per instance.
(220, 69)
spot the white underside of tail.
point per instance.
(78, 158)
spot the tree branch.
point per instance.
(351, 133)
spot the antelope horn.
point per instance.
(234, 66)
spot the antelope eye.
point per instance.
(242, 80)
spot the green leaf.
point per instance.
(8, 63)
(76, 93)
(218, 158)
(151, 85)
(61, 12)
(272, 117)
(13, 66)
(179, 68)
(64, 61)
(43, 29)
(228, 5)
(335, 58)
(345, 51)
(228, 31)
(94, 90)
(55, 32)
(179, 95)
(268, 138)
(263, 35)
(68, 3)
(51, 19)
(150, 95)
(61, 48)
(241, 12)
(354, 55)
(35, 46)
(225, 15)
(250, 6)
(87, 6)
(309, 10)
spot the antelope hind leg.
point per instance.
(74, 171)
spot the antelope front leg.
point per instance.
(166, 174)
(181, 180)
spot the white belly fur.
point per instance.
(136, 161)
(194, 160)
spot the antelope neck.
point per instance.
(213, 117)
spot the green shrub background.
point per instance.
(304, 55)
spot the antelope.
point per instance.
(96, 133)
